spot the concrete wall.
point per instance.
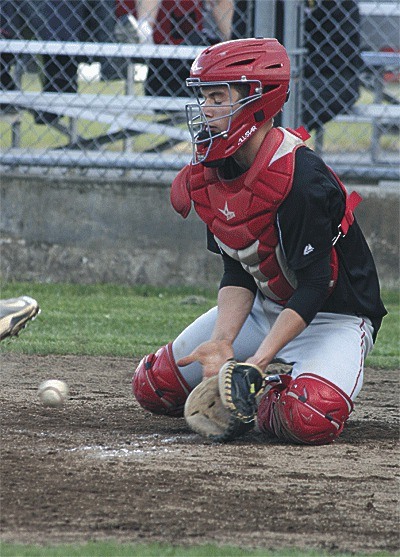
(88, 231)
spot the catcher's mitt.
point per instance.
(239, 385)
(205, 414)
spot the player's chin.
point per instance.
(207, 134)
(215, 132)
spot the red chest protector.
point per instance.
(241, 213)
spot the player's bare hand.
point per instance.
(211, 354)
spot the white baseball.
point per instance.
(53, 392)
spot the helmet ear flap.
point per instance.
(268, 88)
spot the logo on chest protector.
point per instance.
(247, 134)
(226, 212)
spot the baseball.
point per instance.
(53, 392)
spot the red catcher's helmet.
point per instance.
(262, 64)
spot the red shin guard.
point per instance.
(158, 384)
(308, 409)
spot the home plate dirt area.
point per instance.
(100, 467)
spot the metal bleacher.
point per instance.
(121, 113)
(383, 114)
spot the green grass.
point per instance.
(107, 549)
(133, 321)
(106, 319)
(386, 352)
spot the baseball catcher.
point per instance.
(299, 283)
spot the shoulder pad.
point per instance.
(179, 195)
(301, 132)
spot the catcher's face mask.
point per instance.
(213, 115)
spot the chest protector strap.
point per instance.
(351, 202)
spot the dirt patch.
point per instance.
(102, 468)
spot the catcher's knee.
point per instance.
(308, 409)
(158, 385)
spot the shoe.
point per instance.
(15, 314)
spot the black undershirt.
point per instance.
(306, 223)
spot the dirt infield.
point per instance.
(102, 468)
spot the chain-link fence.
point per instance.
(99, 84)
(351, 85)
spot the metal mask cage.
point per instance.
(202, 136)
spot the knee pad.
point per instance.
(308, 409)
(158, 385)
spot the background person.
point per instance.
(54, 20)
(15, 23)
(177, 22)
(72, 20)
(332, 63)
